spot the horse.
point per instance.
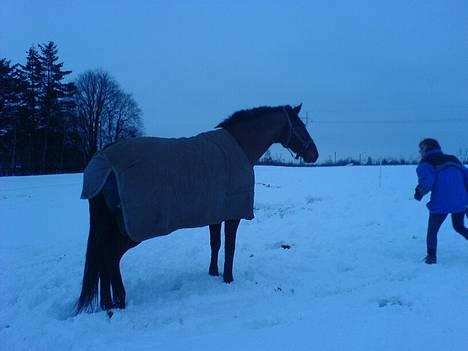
(253, 132)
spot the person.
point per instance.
(445, 177)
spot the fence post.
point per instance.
(380, 174)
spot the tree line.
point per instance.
(269, 160)
(51, 125)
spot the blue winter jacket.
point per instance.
(447, 180)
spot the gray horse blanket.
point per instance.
(168, 184)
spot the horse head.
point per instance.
(295, 136)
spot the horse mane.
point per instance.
(247, 115)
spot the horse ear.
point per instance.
(297, 109)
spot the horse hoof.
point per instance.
(106, 305)
(120, 305)
(228, 280)
(213, 271)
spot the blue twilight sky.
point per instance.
(374, 77)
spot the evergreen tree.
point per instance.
(56, 102)
(33, 76)
(5, 93)
(6, 112)
(11, 107)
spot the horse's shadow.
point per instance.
(172, 287)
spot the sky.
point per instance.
(374, 77)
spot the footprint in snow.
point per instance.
(311, 199)
(393, 301)
(282, 245)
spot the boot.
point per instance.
(430, 259)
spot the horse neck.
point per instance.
(257, 135)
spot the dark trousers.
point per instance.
(435, 221)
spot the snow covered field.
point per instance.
(352, 279)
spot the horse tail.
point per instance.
(94, 255)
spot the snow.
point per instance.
(352, 279)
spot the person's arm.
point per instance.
(426, 178)
(466, 177)
(466, 186)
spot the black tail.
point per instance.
(94, 255)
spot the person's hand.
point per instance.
(417, 195)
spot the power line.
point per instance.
(375, 109)
(390, 121)
(455, 110)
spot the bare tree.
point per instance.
(104, 112)
(121, 120)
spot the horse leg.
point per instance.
(118, 289)
(107, 263)
(215, 243)
(96, 256)
(105, 285)
(230, 231)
